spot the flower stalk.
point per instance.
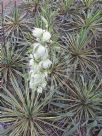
(39, 60)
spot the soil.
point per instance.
(7, 5)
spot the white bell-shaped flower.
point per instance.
(38, 78)
(44, 84)
(31, 56)
(46, 36)
(39, 89)
(40, 52)
(35, 45)
(39, 62)
(46, 64)
(31, 85)
(31, 62)
(37, 32)
(34, 68)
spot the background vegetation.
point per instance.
(71, 103)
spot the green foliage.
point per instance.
(24, 110)
(83, 98)
(70, 131)
(82, 56)
(61, 69)
(70, 104)
(16, 25)
(66, 4)
(31, 1)
(49, 14)
(90, 20)
(89, 3)
(12, 61)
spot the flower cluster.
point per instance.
(39, 60)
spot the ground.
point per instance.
(6, 3)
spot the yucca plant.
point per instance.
(89, 3)
(61, 68)
(65, 5)
(84, 99)
(83, 57)
(12, 60)
(16, 24)
(92, 21)
(24, 110)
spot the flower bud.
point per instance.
(46, 36)
(35, 46)
(37, 32)
(46, 64)
(34, 68)
(40, 52)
